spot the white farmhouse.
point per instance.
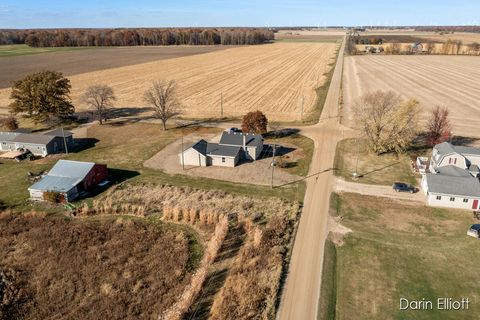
(233, 147)
(454, 181)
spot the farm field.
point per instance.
(15, 63)
(465, 37)
(273, 78)
(329, 35)
(398, 249)
(449, 81)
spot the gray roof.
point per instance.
(33, 138)
(216, 149)
(71, 169)
(474, 168)
(64, 176)
(453, 185)
(54, 183)
(59, 133)
(236, 139)
(454, 171)
(8, 136)
(200, 146)
(448, 148)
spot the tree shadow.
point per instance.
(121, 175)
(279, 151)
(463, 141)
(360, 175)
(281, 133)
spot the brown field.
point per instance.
(91, 59)
(272, 78)
(450, 81)
(465, 37)
(109, 268)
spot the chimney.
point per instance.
(244, 143)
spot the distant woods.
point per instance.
(135, 37)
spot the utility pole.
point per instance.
(183, 159)
(64, 141)
(221, 104)
(273, 165)
(355, 174)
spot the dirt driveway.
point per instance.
(257, 172)
(341, 185)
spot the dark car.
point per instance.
(403, 187)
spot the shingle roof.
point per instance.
(59, 133)
(453, 185)
(200, 146)
(64, 176)
(454, 171)
(474, 168)
(236, 139)
(216, 149)
(447, 148)
(8, 136)
(33, 138)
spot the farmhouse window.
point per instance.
(452, 198)
(455, 161)
(439, 197)
(449, 160)
(465, 200)
(223, 159)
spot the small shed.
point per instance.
(67, 179)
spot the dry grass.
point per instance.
(110, 268)
(449, 81)
(253, 271)
(272, 78)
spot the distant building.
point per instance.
(40, 144)
(233, 147)
(68, 179)
(454, 178)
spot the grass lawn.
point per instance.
(299, 161)
(124, 147)
(23, 49)
(384, 169)
(398, 250)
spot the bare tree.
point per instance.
(163, 97)
(438, 126)
(99, 97)
(388, 122)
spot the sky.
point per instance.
(216, 13)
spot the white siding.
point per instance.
(455, 160)
(193, 158)
(223, 161)
(444, 201)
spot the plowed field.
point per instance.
(450, 81)
(275, 78)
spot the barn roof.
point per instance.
(65, 175)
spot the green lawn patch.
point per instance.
(297, 161)
(373, 169)
(23, 49)
(402, 250)
(124, 147)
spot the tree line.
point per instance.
(135, 37)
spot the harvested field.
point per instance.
(73, 60)
(465, 37)
(274, 78)
(95, 268)
(450, 81)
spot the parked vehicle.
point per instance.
(403, 187)
(474, 231)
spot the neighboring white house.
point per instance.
(454, 178)
(233, 147)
